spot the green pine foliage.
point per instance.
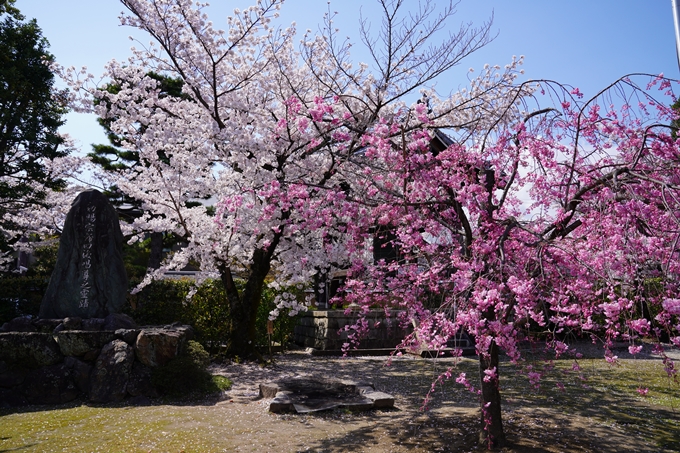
(31, 111)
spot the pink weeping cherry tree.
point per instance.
(552, 223)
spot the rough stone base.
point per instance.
(101, 360)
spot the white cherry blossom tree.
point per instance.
(231, 137)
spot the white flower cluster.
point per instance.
(288, 301)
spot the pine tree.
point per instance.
(31, 112)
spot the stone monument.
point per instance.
(89, 279)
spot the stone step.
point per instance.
(303, 396)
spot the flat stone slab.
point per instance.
(306, 395)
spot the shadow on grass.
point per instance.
(24, 448)
(603, 402)
(597, 411)
(458, 432)
(190, 400)
(389, 431)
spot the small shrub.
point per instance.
(165, 302)
(197, 355)
(187, 375)
(21, 296)
(222, 383)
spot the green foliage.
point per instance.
(283, 324)
(197, 355)
(221, 382)
(31, 112)
(136, 258)
(161, 302)
(46, 260)
(21, 296)
(165, 302)
(209, 312)
(187, 375)
(7, 6)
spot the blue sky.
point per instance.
(584, 43)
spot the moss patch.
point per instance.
(187, 375)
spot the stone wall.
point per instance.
(52, 361)
(321, 329)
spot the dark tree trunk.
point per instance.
(243, 305)
(491, 433)
(156, 250)
(243, 309)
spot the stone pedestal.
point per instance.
(304, 395)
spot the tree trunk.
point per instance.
(243, 308)
(156, 250)
(491, 432)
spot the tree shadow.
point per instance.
(601, 404)
(389, 431)
(537, 423)
(23, 448)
